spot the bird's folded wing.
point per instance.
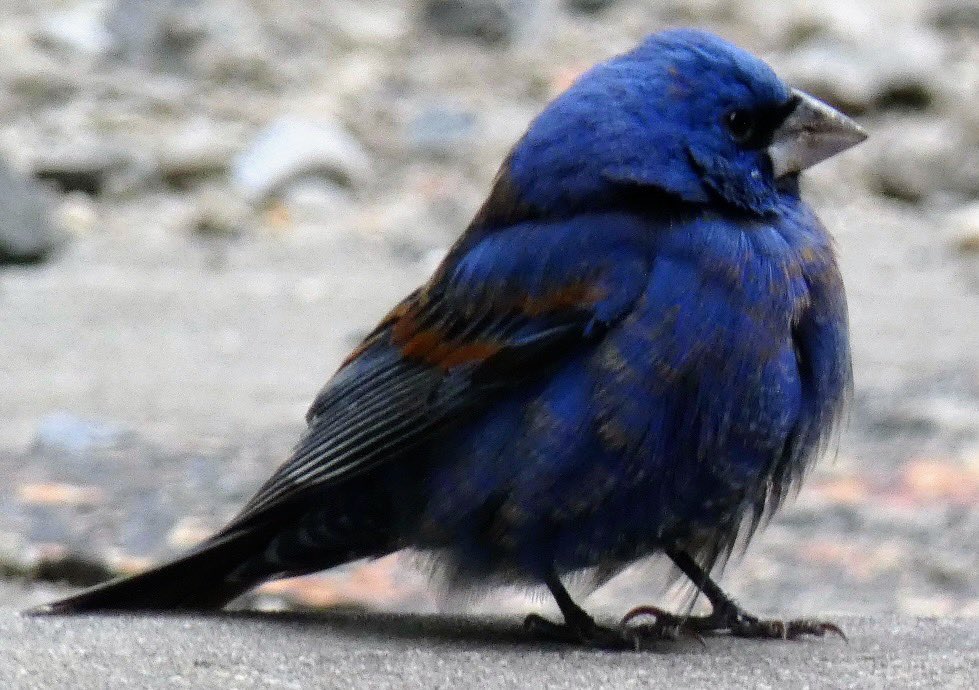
(493, 316)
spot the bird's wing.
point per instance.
(500, 311)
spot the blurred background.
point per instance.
(205, 203)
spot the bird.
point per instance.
(636, 349)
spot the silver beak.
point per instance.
(811, 133)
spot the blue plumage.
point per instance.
(653, 117)
(689, 414)
(638, 346)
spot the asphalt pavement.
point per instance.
(359, 650)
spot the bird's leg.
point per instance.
(578, 626)
(725, 613)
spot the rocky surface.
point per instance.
(248, 186)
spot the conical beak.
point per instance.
(811, 133)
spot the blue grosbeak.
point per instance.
(639, 345)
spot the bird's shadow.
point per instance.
(368, 624)
(445, 630)
(437, 629)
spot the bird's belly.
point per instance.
(597, 464)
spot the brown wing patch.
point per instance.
(436, 348)
(574, 296)
(407, 325)
(392, 317)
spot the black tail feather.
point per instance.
(200, 580)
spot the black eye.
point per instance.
(741, 125)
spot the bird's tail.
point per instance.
(203, 579)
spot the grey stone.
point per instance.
(956, 14)
(589, 6)
(88, 165)
(27, 234)
(440, 131)
(491, 21)
(139, 31)
(186, 35)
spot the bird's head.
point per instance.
(685, 113)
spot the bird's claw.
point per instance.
(666, 626)
(737, 622)
(749, 626)
(654, 611)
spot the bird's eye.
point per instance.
(741, 125)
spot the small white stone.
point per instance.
(80, 29)
(290, 148)
(965, 228)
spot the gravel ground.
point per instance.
(384, 651)
(245, 190)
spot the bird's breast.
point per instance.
(705, 365)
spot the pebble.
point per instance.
(220, 211)
(489, 21)
(823, 70)
(316, 200)
(80, 29)
(290, 148)
(439, 131)
(63, 431)
(589, 6)
(80, 167)
(138, 30)
(371, 23)
(77, 214)
(196, 152)
(188, 532)
(965, 228)
(60, 494)
(186, 35)
(27, 233)
(956, 14)
(900, 69)
(913, 160)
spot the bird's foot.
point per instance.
(585, 631)
(733, 620)
(749, 626)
